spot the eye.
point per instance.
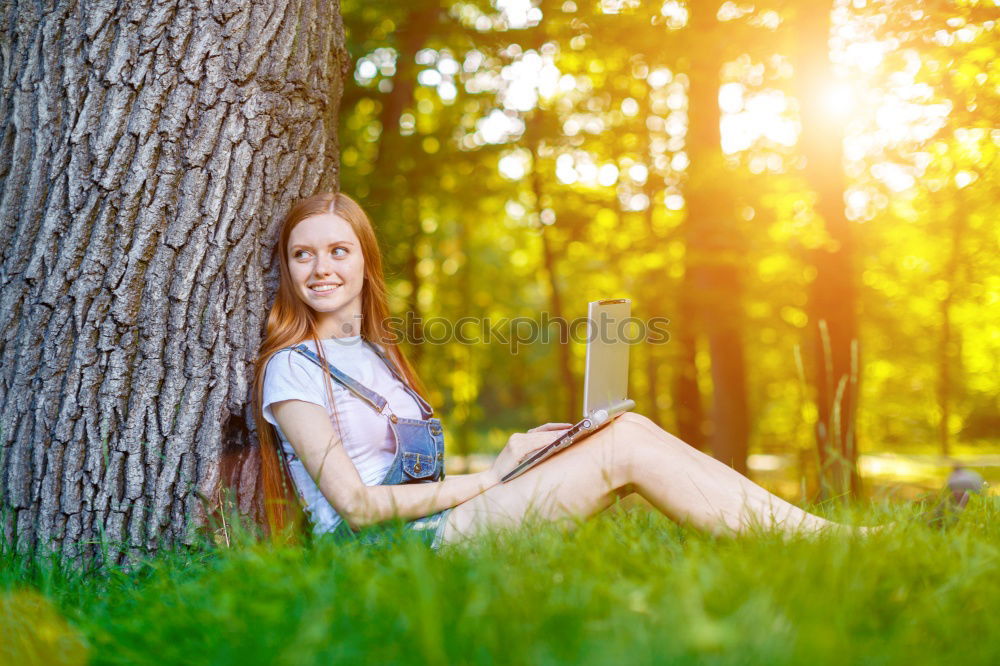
(297, 254)
(338, 249)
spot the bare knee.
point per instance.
(626, 445)
(631, 430)
(651, 430)
(650, 445)
(629, 426)
(636, 418)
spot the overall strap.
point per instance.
(425, 408)
(377, 402)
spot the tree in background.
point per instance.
(553, 151)
(404, 112)
(925, 170)
(713, 295)
(833, 299)
(147, 155)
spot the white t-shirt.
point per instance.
(365, 433)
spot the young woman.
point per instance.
(359, 443)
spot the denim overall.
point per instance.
(419, 451)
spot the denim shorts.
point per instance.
(429, 530)
(419, 456)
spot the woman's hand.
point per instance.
(522, 444)
(551, 426)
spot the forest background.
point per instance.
(815, 218)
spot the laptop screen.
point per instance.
(606, 378)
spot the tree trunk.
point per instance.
(654, 282)
(391, 188)
(573, 402)
(147, 155)
(948, 351)
(715, 253)
(568, 380)
(687, 395)
(533, 137)
(833, 293)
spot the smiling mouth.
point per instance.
(324, 289)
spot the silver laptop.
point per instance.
(605, 382)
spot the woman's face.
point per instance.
(327, 270)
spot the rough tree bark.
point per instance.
(147, 153)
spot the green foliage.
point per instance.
(496, 204)
(627, 587)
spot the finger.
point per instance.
(542, 443)
(528, 454)
(551, 426)
(529, 451)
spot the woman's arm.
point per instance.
(316, 442)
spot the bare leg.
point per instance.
(633, 454)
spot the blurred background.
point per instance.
(806, 190)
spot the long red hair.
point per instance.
(291, 321)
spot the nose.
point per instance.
(324, 265)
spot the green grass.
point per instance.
(628, 587)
